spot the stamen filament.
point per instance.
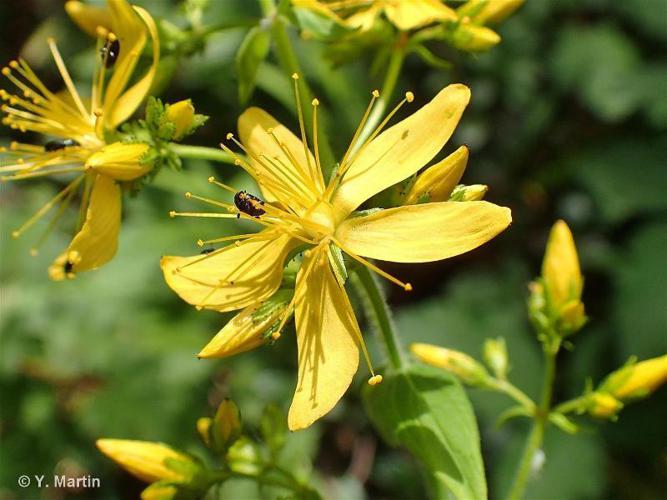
(66, 77)
(406, 286)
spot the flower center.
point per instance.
(319, 221)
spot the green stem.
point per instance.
(201, 153)
(539, 423)
(377, 310)
(388, 86)
(290, 64)
(514, 392)
(571, 405)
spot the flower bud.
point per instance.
(495, 355)
(149, 461)
(474, 192)
(460, 364)
(603, 405)
(562, 280)
(637, 380)
(203, 428)
(121, 161)
(182, 115)
(226, 426)
(473, 38)
(160, 491)
(437, 182)
(488, 11)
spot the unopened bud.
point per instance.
(460, 364)
(226, 426)
(603, 405)
(488, 11)
(150, 462)
(204, 428)
(437, 182)
(636, 380)
(495, 355)
(473, 38)
(182, 115)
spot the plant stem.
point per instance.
(571, 405)
(290, 64)
(391, 78)
(514, 392)
(378, 311)
(539, 422)
(201, 153)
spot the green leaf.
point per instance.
(254, 49)
(427, 411)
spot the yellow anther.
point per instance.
(15, 234)
(238, 162)
(6, 71)
(315, 102)
(409, 96)
(200, 243)
(34, 252)
(295, 76)
(102, 32)
(465, 20)
(13, 64)
(188, 195)
(229, 136)
(408, 287)
(237, 243)
(98, 112)
(375, 93)
(375, 380)
(275, 335)
(172, 213)
(211, 179)
(112, 37)
(199, 308)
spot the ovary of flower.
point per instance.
(81, 127)
(301, 210)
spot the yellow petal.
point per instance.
(120, 161)
(423, 233)
(130, 25)
(603, 405)
(297, 180)
(560, 269)
(638, 380)
(364, 19)
(327, 334)
(143, 459)
(97, 241)
(237, 277)
(437, 182)
(474, 38)
(402, 150)
(242, 333)
(417, 13)
(88, 17)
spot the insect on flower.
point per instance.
(87, 150)
(302, 211)
(248, 204)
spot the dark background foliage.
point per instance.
(568, 120)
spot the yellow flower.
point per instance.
(637, 380)
(362, 14)
(300, 210)
(146, 460)
(81, 128)
(560, 268)
(460, 364)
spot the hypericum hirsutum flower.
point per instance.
(300, 210)
(362, 14)
(84, 148)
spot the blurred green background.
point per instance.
(568, 120)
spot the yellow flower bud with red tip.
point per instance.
(460, 364)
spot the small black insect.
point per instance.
(207, 250)
(248, 204)
(110, 52)
(60, 144)
(69, 267)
